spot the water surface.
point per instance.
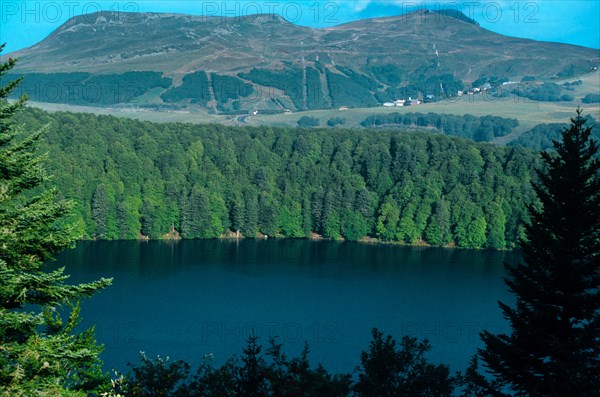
(186, 299)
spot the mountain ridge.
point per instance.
(420, 24)
(377, 59)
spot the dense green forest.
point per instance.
(547, 92)
(541, 136)
(133, 179)
(314, 88)
(479, 129)
(87, 89)
(287, 80)
(360, 79)
(345, 91)
(228, 87)
(389, 74)
(529, 88)
(195, 88)
(315, 97)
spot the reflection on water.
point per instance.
(189, 298)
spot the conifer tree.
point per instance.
(100, 210)
(389, 370)
(251, 378)
(40, 353)
(554, 346)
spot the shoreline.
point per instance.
(313, 238)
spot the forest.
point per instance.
(133, 179)
(345, 91)
(314, 88)
(479, 129)
(287, 80)
(315, 98)
(88, 89)
(547, 92)
(541, 136)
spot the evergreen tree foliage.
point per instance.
(387, 370)
(554, 347)
(251, 220)
(160, 378)
(147, 219)
(496, 226)
(340, 183)
(480, 129)
(40, 354)
(251, 377)
(295, 377)
(254, 374)
(195, 215)
(474, 384)
(210, 381)
(100, 209)
(438, 230)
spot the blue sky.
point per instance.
(24, 23)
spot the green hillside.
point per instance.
(134, 179)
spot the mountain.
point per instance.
(266, 62)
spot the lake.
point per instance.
(185, 299)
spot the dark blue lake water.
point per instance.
(190, 298)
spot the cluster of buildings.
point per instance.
(402, 102)
(483, 88)
(476, 90)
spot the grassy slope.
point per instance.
(180, 44)
(528, 112)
